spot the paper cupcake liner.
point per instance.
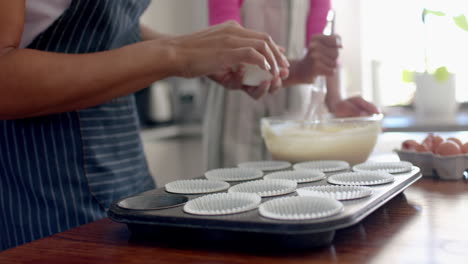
(266, 165)
(196, 186)
(339, 192)
(323, 165)
(299, 176)
(390, 167)
(265, 188)
(233, 174)
(222, 204)
(361, 178)
(300, 208)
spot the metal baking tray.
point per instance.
(170, 225)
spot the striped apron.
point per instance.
(63, 170)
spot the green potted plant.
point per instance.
(435, 88)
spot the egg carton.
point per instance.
(433, 165)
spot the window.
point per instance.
(395, 39)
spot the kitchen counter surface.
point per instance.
(428, 223)
(404, 120)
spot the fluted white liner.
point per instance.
(265, 188)
(196, 186)
(300, 208)
(339, 192)
(233, 174)
(222, 204)
(323, 165)
(361, 178)
(299, 176)
(390, 167)
(266, 165)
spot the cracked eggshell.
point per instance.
(254, 75)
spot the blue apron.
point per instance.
(63, 170)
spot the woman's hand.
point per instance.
(233, 80)
(321, 58)
(353, 106)
(219, 50)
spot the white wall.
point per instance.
(348, 26)
(177, 16)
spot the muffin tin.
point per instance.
(272, 222)
(436, 166)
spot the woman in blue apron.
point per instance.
(69, 133)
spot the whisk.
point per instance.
(319, 89)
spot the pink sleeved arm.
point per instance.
(220, 11)
(317, 17)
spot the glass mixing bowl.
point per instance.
(348, 139)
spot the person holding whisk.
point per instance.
(231, 125)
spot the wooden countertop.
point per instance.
(426, 224)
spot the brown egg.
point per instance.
(428, 141)
(464, 148)
(423, 148)
(448, 148)
(456, 140)
(436, 140)
(409, 144)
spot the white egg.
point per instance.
(254, 75)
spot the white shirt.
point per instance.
(39, 15)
